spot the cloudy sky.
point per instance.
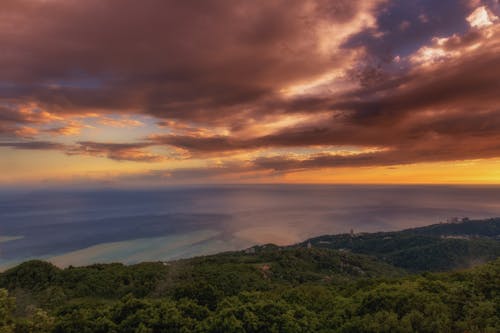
(161, 92)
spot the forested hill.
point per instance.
(327, 284)
(438, 247)
(489, 228)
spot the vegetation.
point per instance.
(264, 289)
(438, 247)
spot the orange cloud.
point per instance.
(116, 151)
(120, 123)
(26, 132)
(71, 128)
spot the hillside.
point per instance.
(438, 247)
(229, 273)
(489, 228)
(301, 288)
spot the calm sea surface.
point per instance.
(82, 227)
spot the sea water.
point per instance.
(79, 227)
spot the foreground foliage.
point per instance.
(209, 301)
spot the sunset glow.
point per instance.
(153, 93)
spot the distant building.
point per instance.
(250, 250)
(456, 237)
(309, 245)
(455, 219)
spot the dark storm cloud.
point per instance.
(185, 60)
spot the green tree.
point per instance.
(7, 306)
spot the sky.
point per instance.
(160, 92)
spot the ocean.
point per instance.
(80, 227)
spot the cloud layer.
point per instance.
(252, 86)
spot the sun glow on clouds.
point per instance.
(445, 48)
(481, 18)
(121, 123)
(273, 124)
(333, 34)
(326, 83)
(36, 114)
(69, 128)
(472, 172)
(26, 132)
(306, 91)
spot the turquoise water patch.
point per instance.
(5, 239)
(149, 249)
